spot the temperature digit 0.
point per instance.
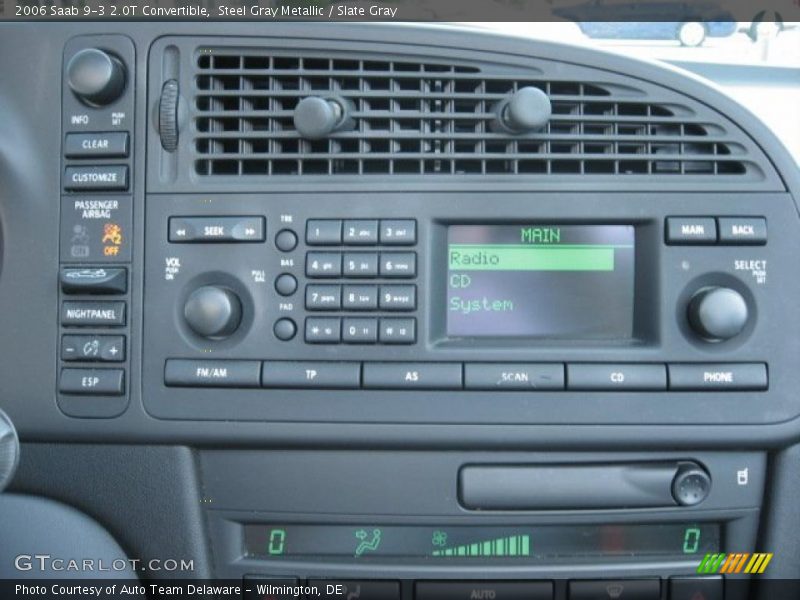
(691, 540)
(277, 541)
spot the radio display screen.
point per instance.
(539, 280)
(464, 542)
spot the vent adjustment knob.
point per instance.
(96, 77)
(213, 312)
(316, 118)
(718, 313)
(168, 116)
(527, 109)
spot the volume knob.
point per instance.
(718, 313)
(213, 312)
(96, 77)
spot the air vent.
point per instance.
(434, 118)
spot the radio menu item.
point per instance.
(538, 280)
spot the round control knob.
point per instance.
(718, 313)
(213, 312)
(528, 109)
(9, 450)
(691, 485)
(315, 117)
(96, 77)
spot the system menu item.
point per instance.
(540, 280)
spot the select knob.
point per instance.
(96, 77)
(213, 312)
(718, 313)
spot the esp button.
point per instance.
(92, 382)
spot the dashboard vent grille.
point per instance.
(420, 118)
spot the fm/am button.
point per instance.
(212, 373)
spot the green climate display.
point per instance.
(558, 281)
(522, 543)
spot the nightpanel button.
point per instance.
(111, 144)
(92, 382)
(496, 590)
(621, 377)
(751, 231)
(718, 377)
(90, 280)
(425, 376)
(93, 314)
(212, 373)
(691, 230)
(513, 376)
(288, 374)
(96, 178)
(615, 589)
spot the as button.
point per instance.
(430, 376)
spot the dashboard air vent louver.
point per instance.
(424, 117)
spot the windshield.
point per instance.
(763, 42)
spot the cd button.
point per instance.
(430, 376)
(607, 377)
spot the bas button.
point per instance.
(496, 590)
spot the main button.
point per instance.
(615, 589)
(750, 231)
(92, 314)
(430, 376)
(289, 374)
(111, 144)
(92, 382)
(496, 590)
(96, 178)
(602, 377)
(212, 373)
(356, 590)
(691, 230)
(513, 376)
(216, 229)
(90, 280)
(718, 376)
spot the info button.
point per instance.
(622, 377)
